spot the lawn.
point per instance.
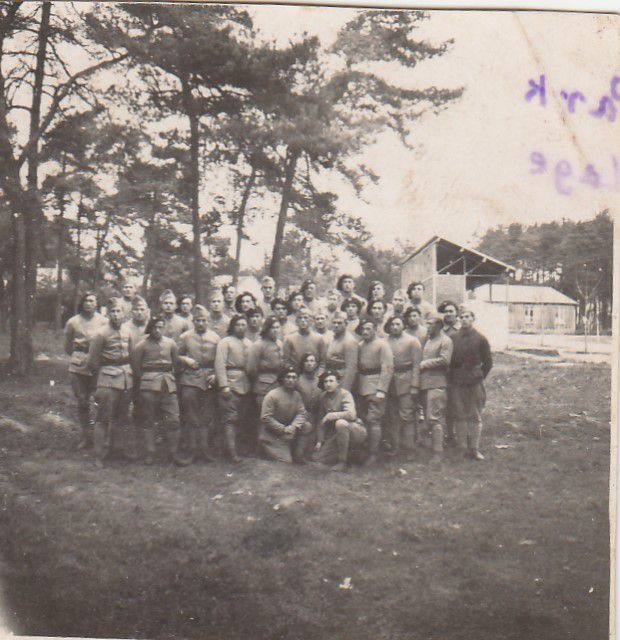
(515, 547)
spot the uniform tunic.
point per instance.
(175, 325)
(451, 329)
(219, 324)
(375, 367)
(296, 344)
(420, 332)
(136, 331)
(231, 359)
(201, 348)
(342, 354)
(252, 336)
(109, 355)
(265, 305)
(436, 356)
(308, 387)
(425, 307)
(264, 362)
(79, 331)
(327, 335)
(126, 306)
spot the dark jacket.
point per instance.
(471, 357)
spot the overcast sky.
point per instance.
(471, 168)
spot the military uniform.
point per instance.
(230, 369)
(375, 368)
(282, 408)
(264, 363)
(79, 331)
(297, 344)
(175, 325)
(219, 324)
(126, 306)
(198, 393)
(420, 332)
(425, 307)
(450, 330)
(341, 355)
(108, 356)
(265, 306)
(436, 355)
(403, 391)
(342, 432)
(153, 364)
(252, 336)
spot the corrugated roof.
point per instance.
(524, 294)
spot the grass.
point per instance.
(515, 547)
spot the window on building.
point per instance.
(559, 318)
(528, 310)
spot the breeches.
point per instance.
(337, 446)
(372, 411)
(401, 420)
(159, 404)
(112, 404)
(198, 407)
(468, 403)
(83, 388)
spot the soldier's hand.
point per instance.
(380, 395)
(211, 380)
(318, 445)
(193, 364)
(226, 392)
(290, 430)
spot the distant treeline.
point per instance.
(574, 257)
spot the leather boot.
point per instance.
(174, 437)
(131, 446)
(149, 445)
(203, 444)
(86, 428)
(229, 439)
(101, 446)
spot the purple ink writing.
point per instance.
(537, 90)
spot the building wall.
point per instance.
(420, 268)
(538, 318)
(492, 322)
(450, 287)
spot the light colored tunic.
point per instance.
(231, 359)
(219, 324)
(296, 344)
(264, 363)
(407, 352)
(375, 367)
(109, 354)
(153, 362)
(421, 333)
(436, 356)
(281, 408)
(79, 331)
(175, 326)
(136, 331)
(342, 355)
(199, 347)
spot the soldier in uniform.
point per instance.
(255, 322)
(375, 368)
(309, 294)
(108, 359)
(268, 288)
(129, 291)
(231, 358)
(342, 352)
(186, 304)
(154, 361)
(414, 325)
(470, 365)
(304, 340)
(376, 312)
(352, 309)
(346, 286)
(451, 325)
(174, 325)
(403, 391)
(79, 331)
(376, 291)
(399, 303)
(294, 302)
(415, 293)
(333, 303)
(230, 294)
(320, 325)
(436, 355)
(218, 320)
(338, 428)
(265, 361)
(198, 394)
(284, 427)
(308, 387)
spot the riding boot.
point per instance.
(229, 439)
(174, 438)
(203, 444)
(86, 428)
(101, 442)
(149, 445)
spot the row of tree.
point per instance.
(574, 257)
(131, 133)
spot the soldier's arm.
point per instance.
(300, 413)
(93, 360)
(417, 359)
(267, 415)
(253, 358)
(69, 338)
(221, 355)
(442, 361)
(347, 410)
(350, 364)
(387, 368)
(486, 357)
(136, 359)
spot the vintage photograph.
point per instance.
(306, 321)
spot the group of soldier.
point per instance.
(334, 379)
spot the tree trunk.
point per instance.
(289, 175)
(21, 343)
(3, 304)
(194, 175)
(60, 221)
(101, 240)
(78, 248)
(240, 223)
(33, 219)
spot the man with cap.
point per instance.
(174, 325)
(375, 368)
(153, 362)
(342, 352)
(304, 340)
(231, 359)
(284, 430)
(338, 430)
(403, 391)
(198, 393)
(268, 288)
(436, 356)
(108, 359)
(79, 331)
(471, 364)
(218, 320)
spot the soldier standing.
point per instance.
(471, 363)
(231, 359)
(265, 361)
(320, 326)
(197, 382)
(230, 293)
(399, 302)
(304, 340)
(403, 391)
(338, 428)
(308, 292)
(346, 286)
(268, 288)
(79, 331)
(108, 356)
(218, 320)
(413, 324)
(154, 361)
(186, 304)
(436, 355)
(415, 293)
(284, 427)
(451, 325)
(174, 325)
(308, 387)
(255, 321)
(342, 352)
(352, 309)
(375, 368)
(129, 291)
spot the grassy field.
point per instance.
(513, 548)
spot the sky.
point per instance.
(472, 166)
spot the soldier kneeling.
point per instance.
(339, 430)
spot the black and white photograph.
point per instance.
(307, 321)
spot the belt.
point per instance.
(106, 362)
(268, 370)
(81, 349)
(163, 368)
(402, 368)
(369, 372)
(209, 365)
(335, 364)
(235, 369)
